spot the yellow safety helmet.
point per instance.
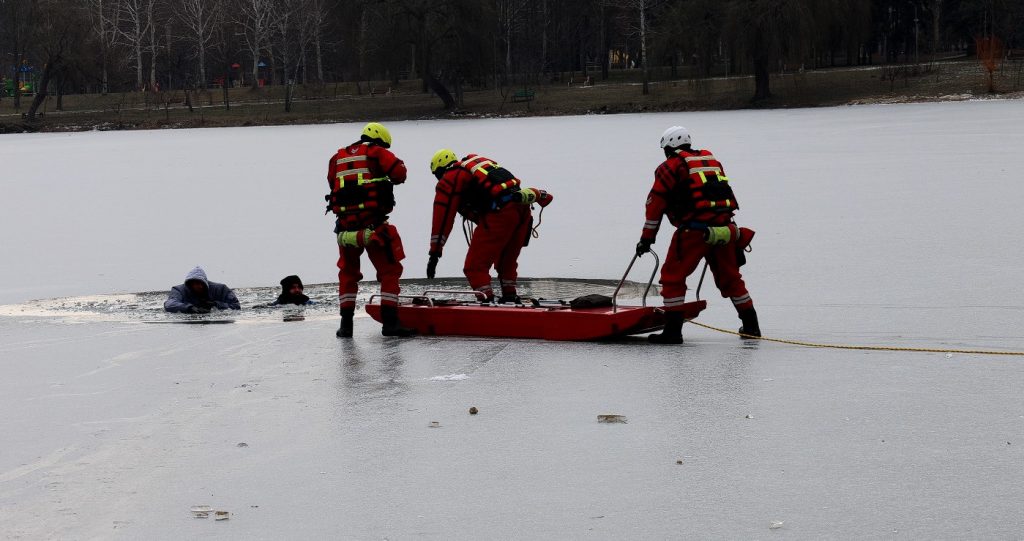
(377, 133)
(441, 160)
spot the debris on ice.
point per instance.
(450, 377)
(201, 511)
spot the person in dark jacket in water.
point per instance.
(291, 292)
(198, 295)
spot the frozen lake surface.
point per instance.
(881, 225)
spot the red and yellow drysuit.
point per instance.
(692, 189)
(362, 177)
(482, 191)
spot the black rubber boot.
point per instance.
(345, 331)
(510, 299)
(673, 332)
(750, 326)
(391, 327)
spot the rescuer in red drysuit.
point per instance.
(491, 197)
(362, 178)
(691, 188)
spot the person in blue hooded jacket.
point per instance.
(198, 295)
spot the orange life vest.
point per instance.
(359, 189)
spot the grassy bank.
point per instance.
(339, 102)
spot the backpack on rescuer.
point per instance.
(494, 184)
(704, 195)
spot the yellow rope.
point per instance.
(865, 348)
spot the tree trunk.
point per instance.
(361, 68)
(227, 100)
(202, 68)
(103, 50)
(138, 64)
(412, 68)
(272, 69)
(17, 82)
(44, 82)
(152, 46)
(284, 63)
(60, 88)
(425, 75)
(255, 67)
(761, 78)
(319, 59)
(441, 91)
(105, 86)
(544, 38)
(606, 57)
(643, 49)
(762, 60)
(508, 48)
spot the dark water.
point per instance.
(148, 306)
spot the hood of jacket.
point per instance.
(197, 274)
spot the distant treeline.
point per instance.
(450, 46)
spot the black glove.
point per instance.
(198, 310)
(432, 266)
(643, 247)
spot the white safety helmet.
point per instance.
(675, 137)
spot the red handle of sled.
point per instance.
(476, 294)
(430, 300)
(657, 264)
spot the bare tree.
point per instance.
(104, 18)
(200, 19)
(769, 30)
(641, 28)
(58, 32)
(642, 6)
(282, 20)
(316, 16)
(151, 25)
(371, 14)
(305, 37)
(18, 22)
(936, 8)
(509, 14)
(135, 31)
(255, 18)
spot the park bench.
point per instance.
(522, 95)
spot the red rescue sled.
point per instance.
(537, 319)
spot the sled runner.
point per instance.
(463, 313)
(193, 321)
